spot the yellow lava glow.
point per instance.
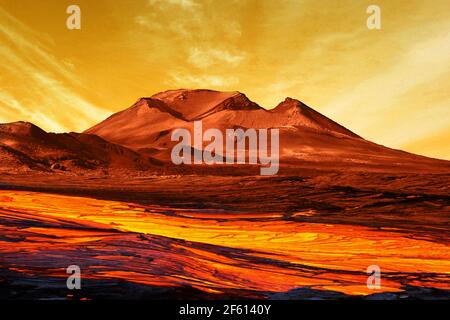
(341, 253)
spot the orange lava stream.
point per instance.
(341, 252)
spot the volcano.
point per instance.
(306, 136)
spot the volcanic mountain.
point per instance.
(306, 136)
(179, 108)
(24, 146)
(139, 138)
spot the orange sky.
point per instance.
(390, 86)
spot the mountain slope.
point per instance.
(296, 113)
(139, 126)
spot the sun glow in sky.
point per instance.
(390, 86)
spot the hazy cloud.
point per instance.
(43, 83)
(205, 58)
(185, 80)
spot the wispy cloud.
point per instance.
(10, 105)
(200, 49)
(185, 80)
(384, 107)
(180, 3)
(43, 82)
(205, 58)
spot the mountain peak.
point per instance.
(289, 104)
(300, 114)
(199, 103)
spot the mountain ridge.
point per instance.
(179, 108)
(29, 147)
(206, 102)
(139, 137)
